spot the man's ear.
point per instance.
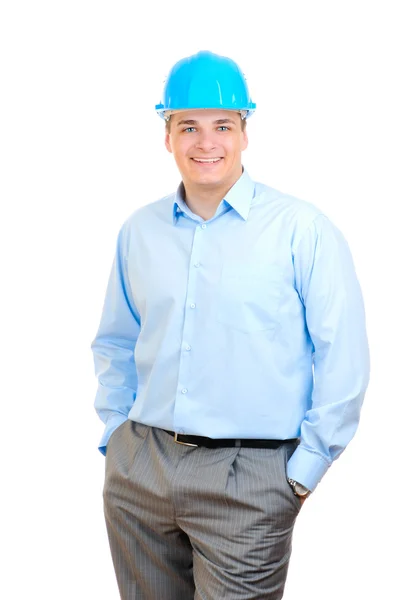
(167, 142)
(245, 140)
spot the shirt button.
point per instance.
(187, 347)
(184, 391)
(197, 265)
(193, 305)
(204, 226)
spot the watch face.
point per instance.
(301, 490)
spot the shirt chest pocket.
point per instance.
(249, 297)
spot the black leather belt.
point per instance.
(198, 440)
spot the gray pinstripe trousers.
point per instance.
(197, 523)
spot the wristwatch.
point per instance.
(299, 489)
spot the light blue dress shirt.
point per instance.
(248, 325)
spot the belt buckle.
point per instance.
(183, 443)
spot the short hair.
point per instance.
(242, 123)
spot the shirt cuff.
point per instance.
(112, 424)
(307, 467)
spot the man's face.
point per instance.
(197, 135)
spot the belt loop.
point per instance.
(238, 443)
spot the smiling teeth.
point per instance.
(207, 160)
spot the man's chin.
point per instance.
(213, 179)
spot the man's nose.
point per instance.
(206, 142)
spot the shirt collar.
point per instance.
(239, 197)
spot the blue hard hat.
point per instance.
(205, 80)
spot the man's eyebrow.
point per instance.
(187, 122)
(221, 121)
(217, 122)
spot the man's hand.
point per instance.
(303, 499)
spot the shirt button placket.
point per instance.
(187, 324)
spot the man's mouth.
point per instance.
(206, 161)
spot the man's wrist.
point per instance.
(299, 489)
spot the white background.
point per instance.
(81, 148)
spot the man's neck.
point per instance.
(204, 201)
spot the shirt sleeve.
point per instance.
(113, 347)
(327, 284)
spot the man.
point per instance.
(232, 361)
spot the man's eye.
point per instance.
(186, 129)
(224, 127)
